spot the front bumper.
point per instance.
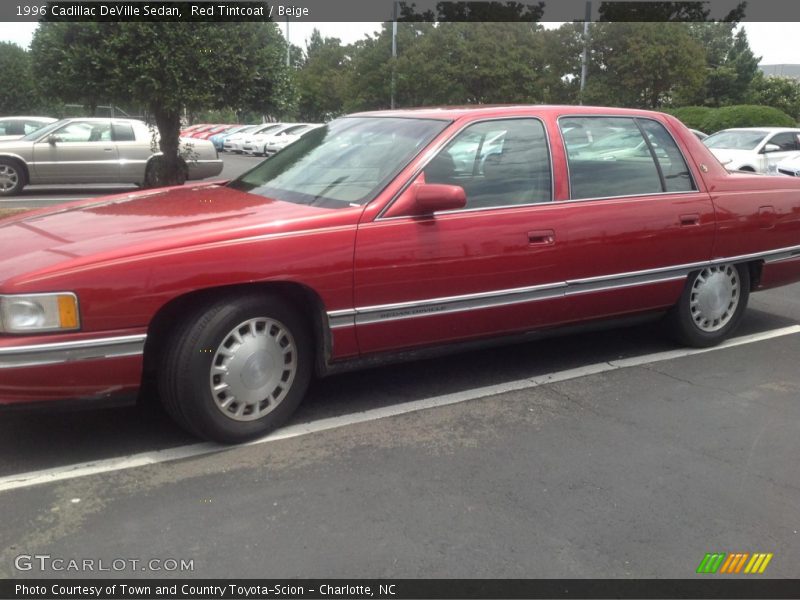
(74, 367)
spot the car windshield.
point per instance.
(35, 135)
(735, 140)
(346, 162)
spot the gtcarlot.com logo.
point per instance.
(735, 562)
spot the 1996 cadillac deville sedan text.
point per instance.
(379, 235)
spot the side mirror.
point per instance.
(52, 139)
(771, 148)
(432, 197)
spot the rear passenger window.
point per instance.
(498, 163)
(617, 156)
(123, 132)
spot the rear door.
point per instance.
(637, 219)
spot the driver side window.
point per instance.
(498, 163)
(85, 131)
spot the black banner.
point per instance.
(404, 10)
(400, 589)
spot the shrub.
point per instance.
(712, 120)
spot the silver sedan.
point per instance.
(92, 150)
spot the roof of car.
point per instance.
(24, 117)
(457, 112)
(765, 129)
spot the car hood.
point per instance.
(115, 227)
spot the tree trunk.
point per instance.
(171, 168)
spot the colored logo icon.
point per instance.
(735, 562)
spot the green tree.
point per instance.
(643, 64)
(782, 93)
(322, 79)
(17, 94)
(167, 67)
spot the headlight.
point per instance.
(36, 313)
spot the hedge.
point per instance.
(711, 120)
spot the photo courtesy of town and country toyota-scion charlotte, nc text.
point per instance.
(202, 590)
(178, 10)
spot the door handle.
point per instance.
(542, 237)
(108, 149)
(690, 220)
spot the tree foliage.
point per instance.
(17, 94)
(167, 67)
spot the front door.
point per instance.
(493, 267)
(78, 152)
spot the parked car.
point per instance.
(278, 142)
(365, 242)
(236, 142)
(188, 130)
(256, 143)
(13, 128)
(218, 139)
(755, 149)
(790, 166)
(213, 131)
(699, 134)
(94, 151)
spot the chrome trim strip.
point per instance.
(13, 357)
(420, 308)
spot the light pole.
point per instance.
(585, 56)
(394, 47)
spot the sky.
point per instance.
(767, 40)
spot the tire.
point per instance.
(711, 305)
(235, 346)
(12, 177)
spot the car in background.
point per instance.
(279, 142)
(218, 139)
(365, 242)
(95, 150)
(257, 144)
(13, 128)
(699, 134)
(790, 166)
(235, 143)
(215, 130)
(754, 149)
(200, 130)
(192, 128)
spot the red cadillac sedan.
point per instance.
(379, 236)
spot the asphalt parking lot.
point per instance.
(609, 454)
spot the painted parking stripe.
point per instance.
(32, 478)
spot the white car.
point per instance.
(14, 128)
(239, 142)
(233, 142)
(280, 141)
(790, 166)
(258, 144)
(755, 149)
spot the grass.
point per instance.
(7, 212)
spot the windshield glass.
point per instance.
(346, 162)
(735, 140)
(35, 135)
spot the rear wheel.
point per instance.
(12, 178)
(711, 306)
(237, 369)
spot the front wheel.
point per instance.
(711, 306)
(237, 369)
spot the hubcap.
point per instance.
(714, 297)
(253, 369)
(9, 178)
